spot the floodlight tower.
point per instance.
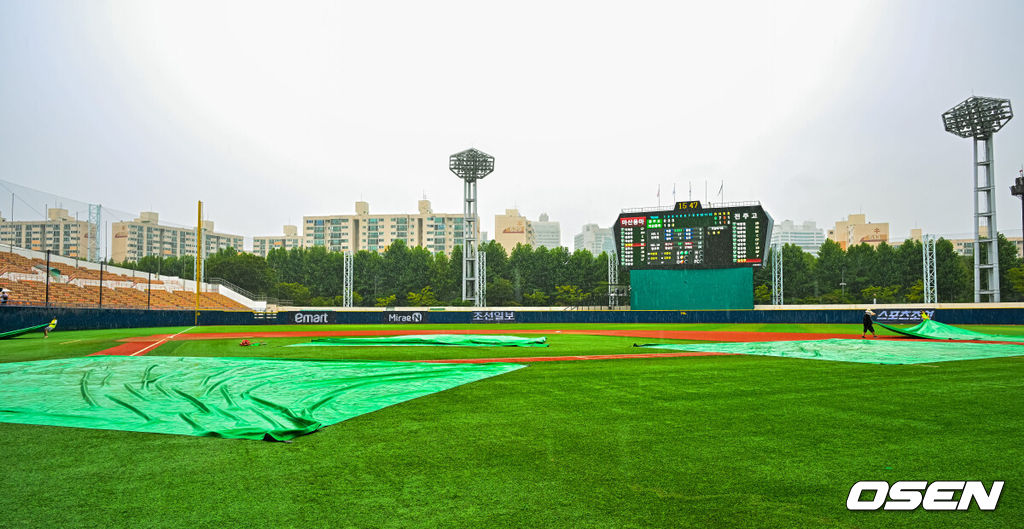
(470, 165)
(980, 118)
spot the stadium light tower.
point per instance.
(980, 118)
(470, 165)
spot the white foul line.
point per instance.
(150, 346)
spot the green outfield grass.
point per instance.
(721, 441)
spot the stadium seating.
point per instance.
(66, 291)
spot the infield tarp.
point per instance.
(933, 330)
(862, 351)
(244, 398)
(463, 340)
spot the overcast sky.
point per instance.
(271, 111)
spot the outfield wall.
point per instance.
(13, 317)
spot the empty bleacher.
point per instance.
(26, 279)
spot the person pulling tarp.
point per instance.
(932, 330)
(45, 327)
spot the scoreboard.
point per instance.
(690, 236)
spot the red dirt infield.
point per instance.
(143, 344)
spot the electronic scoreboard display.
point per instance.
(690, 236)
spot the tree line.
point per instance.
(413, 276)
(884, 274)
(404, 276)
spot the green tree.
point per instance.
(537, 298)
(297, 293)
(245, 270)
(570, 295)
(952, 277)
(796, 272)
(762, 294)
(1008, 260)
(386, 301)
(830, 266)
(500, 293)
(424, 298)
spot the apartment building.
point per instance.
(145, 236)
(437, 232)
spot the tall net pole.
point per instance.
(481, 285)
(777, 274)
(93, 227)
(347, 293)
(980, 118)
(199, 256)
(613, 278)
(931, 291)
(471, 165)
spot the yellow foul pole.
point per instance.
(199, 257)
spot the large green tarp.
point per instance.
(247, 398)
(464, 340)
(864, 351)
(933, 330)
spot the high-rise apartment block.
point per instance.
(808, 236)
(437, 232)
(596, 239)
(145, 236)
(546, 233)
(262, 244)
(59, 233)
(511, 229)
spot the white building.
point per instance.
(595, 239)
(262, 244)
(547, 233)
(808, 236)
(437, 232)
(60, 233)
(145, 236)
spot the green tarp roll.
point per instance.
(862, 351)
(19, 332)
(246, 398)
(464, 340)
(933, 330)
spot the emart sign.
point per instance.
(312, 317)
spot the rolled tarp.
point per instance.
(933, 330)
(19, 332)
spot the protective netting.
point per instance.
(464, 340)
(863, 351)
(247, 398)
(933, 330)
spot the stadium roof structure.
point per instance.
(977, 117)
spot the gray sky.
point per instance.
(271, 111)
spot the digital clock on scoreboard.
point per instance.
(691, 236)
